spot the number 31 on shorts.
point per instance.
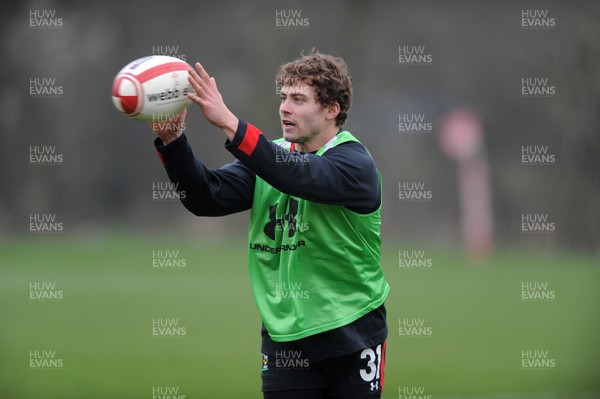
(374, 371)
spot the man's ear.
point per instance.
(333, 110)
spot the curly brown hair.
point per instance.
(327, 74)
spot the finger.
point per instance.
(213, 83)
(196, 86)
(194, 74)
(205, 76)
(195, 99)
(196, 81)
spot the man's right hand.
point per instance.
(170, 130)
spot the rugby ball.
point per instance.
(152, 89)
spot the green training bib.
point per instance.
(313, 267)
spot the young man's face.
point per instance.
(302, 117)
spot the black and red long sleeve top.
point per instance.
(345, 175)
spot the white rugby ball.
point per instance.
(152, 89)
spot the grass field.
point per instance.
(101, 329)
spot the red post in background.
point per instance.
(461, 139)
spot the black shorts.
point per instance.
(288, 375)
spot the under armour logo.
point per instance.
(375, 386)
(275, 222)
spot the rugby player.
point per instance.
(314, 239)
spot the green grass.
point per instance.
(102, 328)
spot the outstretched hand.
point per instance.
(211, 102)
